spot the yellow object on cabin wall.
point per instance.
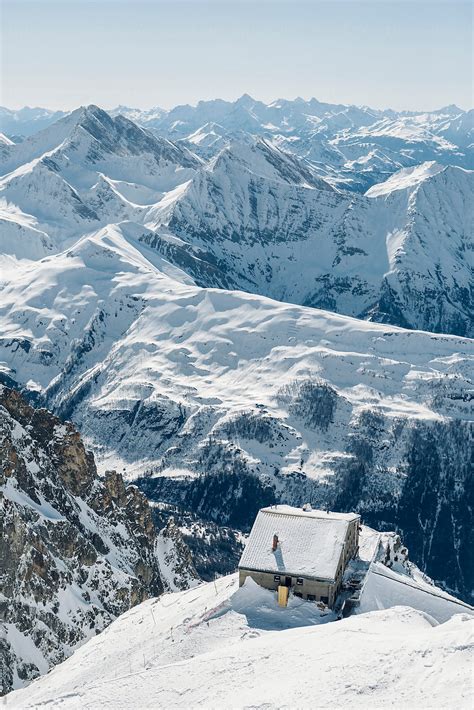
(283, 596)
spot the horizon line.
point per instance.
(230, 101)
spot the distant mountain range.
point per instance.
(253, 216)
(356, 145)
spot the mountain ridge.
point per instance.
(253, 216)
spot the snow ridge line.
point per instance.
(422, 589)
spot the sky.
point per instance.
(408, 54)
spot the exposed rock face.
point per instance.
(176, 564)
(215, 550)
(75, 551)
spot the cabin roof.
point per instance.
(311, 513)
(309, 542)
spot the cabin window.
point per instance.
(276, 577)
(298, 594)
(311, 598)
(325, 600)
(299, 580)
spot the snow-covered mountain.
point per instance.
(220, 646)
(26, 121)
(253, 217)
(389, 256)
(85, 171)
(136, 279)
(355, 147)
(224, 401)
(94, 139)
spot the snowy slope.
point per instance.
(405, 178)
(138, 303)
(385, 589)
(217, 646)
(20, 236)
(36, 189)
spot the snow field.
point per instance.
(216, 646)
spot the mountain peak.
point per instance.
(86, 111)
(406, 178)
(451, 109)
(93, 108)
(91, 111)
(245, 101)
(262, 158)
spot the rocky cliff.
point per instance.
(75, 550)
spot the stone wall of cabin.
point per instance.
(318, 589)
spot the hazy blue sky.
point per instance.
(405, 54)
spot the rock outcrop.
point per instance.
(176, 563)
(75, 550)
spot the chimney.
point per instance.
(275, 542)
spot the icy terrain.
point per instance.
(219, 646)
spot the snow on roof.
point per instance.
(309, 542)
(311, 513)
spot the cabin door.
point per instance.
(287, 581)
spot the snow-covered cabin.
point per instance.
(305, 549)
